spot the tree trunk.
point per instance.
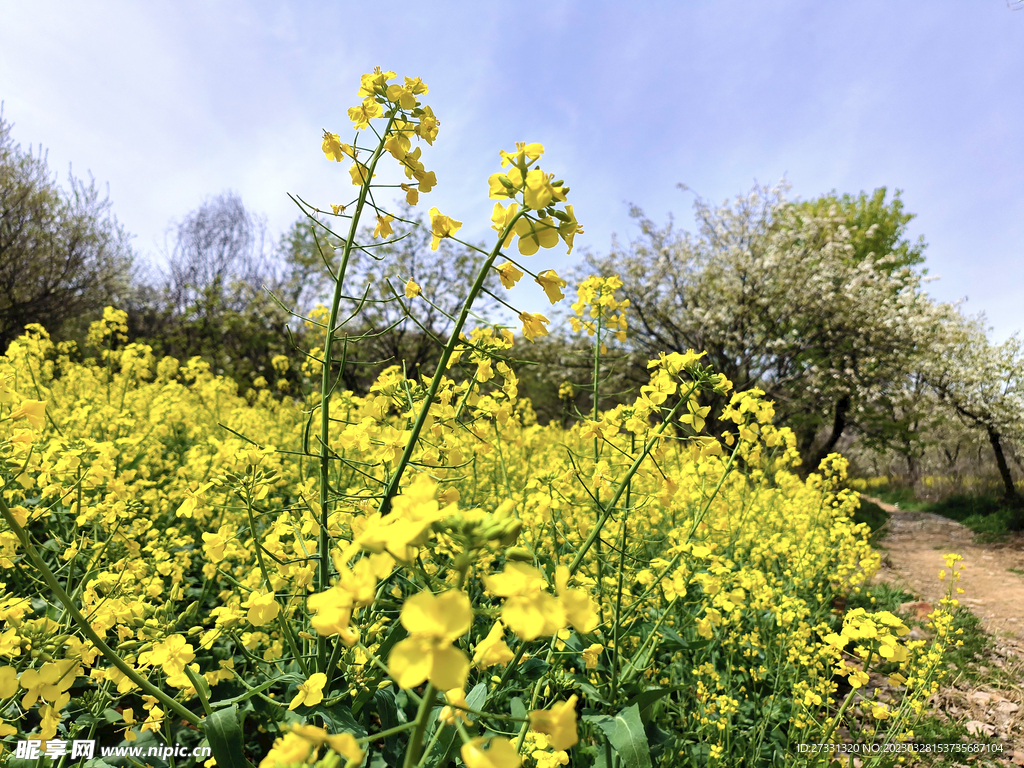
(1013, 501)
(1010, 492)
(838, 425)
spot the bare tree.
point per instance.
(217, 262)
(63, 254)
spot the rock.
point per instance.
(919, 609)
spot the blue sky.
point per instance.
(172, 102)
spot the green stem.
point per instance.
(534, 696)
(199, 691)
(389, 732)
(618, 596)
(324, 561)
(86, 628)
(849, 697)
(286, 628)
(430, 744)
(412, 752)
(597, 453)
(642, 599)
(442, 366)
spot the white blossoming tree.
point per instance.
(983, 383)
(819, 303)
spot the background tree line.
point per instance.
(820, 303)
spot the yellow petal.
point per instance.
(410, 662)
(450, 668)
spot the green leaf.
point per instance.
(338, 718)
(533, 669)
(517, 707)
(384, 706)
(627, 736)
(645, 699)
(224, 732)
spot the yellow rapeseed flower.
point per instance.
(509, 274)
(364, 113)
(552, 285)
(558, 722)
(534, 235)
(263, 608)
(383, 228)
(533, 325)
(496, 752)
(492, 649)
(501, 217)
(441, 227)
(32, 410)
(310, 692)
(434, 623)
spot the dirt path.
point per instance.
(912, 550)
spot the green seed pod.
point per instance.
(519, 555)
(511, 533)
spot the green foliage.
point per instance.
(877, 227)
(901, 496)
